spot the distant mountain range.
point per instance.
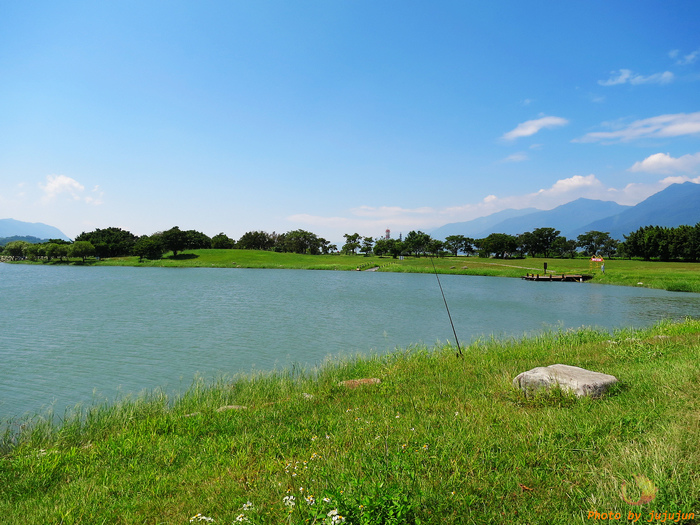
(674, 206)
(13, 228)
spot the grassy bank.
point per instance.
(670, 276)
(439, 440)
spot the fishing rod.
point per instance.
(459, 349)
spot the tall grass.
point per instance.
(440, 440)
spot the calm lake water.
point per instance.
(74, 334)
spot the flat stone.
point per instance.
(579, 380)
(354, 383)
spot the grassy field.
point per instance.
(441, 439)
(672, 276)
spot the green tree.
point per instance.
(459, 243)
(195, 240)
(149, 248)
(31, 251)
(222, 241)
(300, 241)
(500, 245)
(396, 247)
(110, 242)
(564, 247)
(593, 241)
(16, 249)
(50, 250)
(436, 247)
(174, 240)
(326, 246)
(82, 249)
(62, 250)
(543, 239)
(527, 244)
(367, 244)
(417, 242)
(381, 246)
(257, 240)
(352, 243)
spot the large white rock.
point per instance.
(579, 380)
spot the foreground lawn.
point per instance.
(441, 439)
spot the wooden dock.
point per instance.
(569, 278)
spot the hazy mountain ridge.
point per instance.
(26, 238)
(674, 206)
(14, 228)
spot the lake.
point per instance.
(79, 334)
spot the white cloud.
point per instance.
(663, 163)
(374, 220)
(530, 127)
(516, 157)
(623, 76)
(686, 59)
(663, 126)
(388, 211)
(59, 185)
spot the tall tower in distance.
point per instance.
(387, 234)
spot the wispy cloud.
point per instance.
(684, 60)
(663, 163)
(516, 157)
(663, 126)
(57, 186)
(624, 76)
(374, 220)
(530, 127)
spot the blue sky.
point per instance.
(339, 116)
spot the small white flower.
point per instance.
(200, 517)
(335, 517)
(241, 518)
(289, 501)
(247, 506)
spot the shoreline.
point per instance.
(671, 276)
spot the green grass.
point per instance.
(440, 440)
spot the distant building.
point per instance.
(387, 234)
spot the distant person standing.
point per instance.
(602, 268)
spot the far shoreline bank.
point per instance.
(670, 276)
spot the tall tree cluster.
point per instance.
(666, 244)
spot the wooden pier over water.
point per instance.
(573, 278)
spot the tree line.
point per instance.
(666, 244)
(682, 243)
